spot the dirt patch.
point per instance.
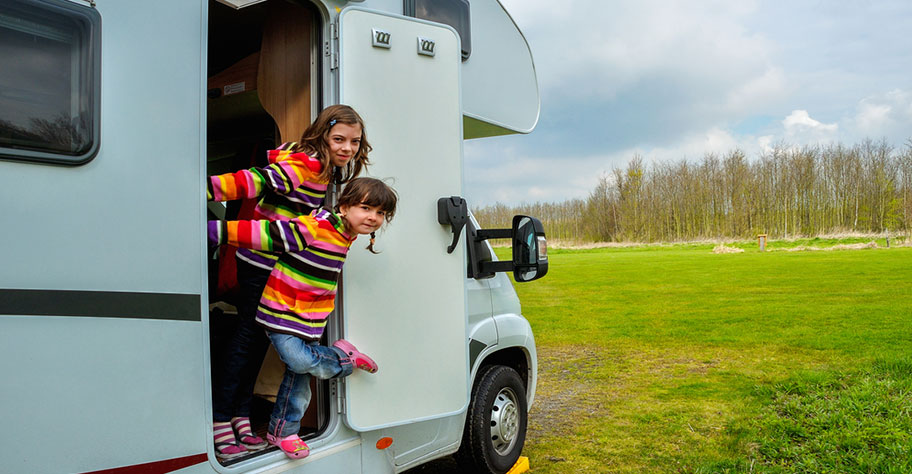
(566, 393)
(722, 248)
(858, 246)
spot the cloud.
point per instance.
(800, 128)
(501, 173)
(757, 92)
(675, 80)
(887, 115)
(511, 176)
(614, 46)
(628, 72)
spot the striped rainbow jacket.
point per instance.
(301, 289)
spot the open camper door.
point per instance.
(405, 307)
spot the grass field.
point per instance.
(675, 359)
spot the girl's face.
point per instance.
(362, 218)
(343, 141)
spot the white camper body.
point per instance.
(104, 288)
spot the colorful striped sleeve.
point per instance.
(272, 236)
(286, 172)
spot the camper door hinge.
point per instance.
(340, 396)
(331, 48)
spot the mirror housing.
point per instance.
(530, 250)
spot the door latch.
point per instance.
(453, 211)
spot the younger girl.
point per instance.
(301, 292)
(333, 148)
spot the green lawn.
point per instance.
(676, 359)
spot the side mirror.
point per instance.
(530, 249)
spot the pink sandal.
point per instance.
(248, 439)
(293, 446)
(359, 359)
(226, 446)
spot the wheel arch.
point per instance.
(517, 358)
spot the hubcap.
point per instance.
(504, 421)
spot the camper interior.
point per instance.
(252, 107)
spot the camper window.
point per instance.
(49, 99)
(449, 12)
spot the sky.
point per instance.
(671, 80)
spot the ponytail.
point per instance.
(370, 247)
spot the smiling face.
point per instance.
(362, 218)
(343, 141)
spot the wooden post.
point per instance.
(761, 241)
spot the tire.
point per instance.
(495, 429)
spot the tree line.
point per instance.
(786, 192)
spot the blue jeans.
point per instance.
(302, 360)
(236, 375)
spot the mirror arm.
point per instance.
(495, 267)
(485, 234)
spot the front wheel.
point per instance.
(495, 428)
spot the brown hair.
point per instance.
(313, 140)
(373, 192)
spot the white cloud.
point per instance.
(800, 128)
(676, 80)
(887, 115)
(758, 92)
(693, 147)
(873, 116)
(593, 49)
(503, 175)
(765, 143)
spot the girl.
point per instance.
(301, 290)
(334, 148)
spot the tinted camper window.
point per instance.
(449, 12)
(49, 82)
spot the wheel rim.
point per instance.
(504, 421)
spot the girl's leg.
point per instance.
(285, 422)
(234, 378)
(302, 359)
(291, 403)
(250, 341)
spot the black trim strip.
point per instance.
(100, 304)
(475, 348)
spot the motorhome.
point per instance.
(112, 114)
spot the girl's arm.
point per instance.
(273, 236)
(281, 177)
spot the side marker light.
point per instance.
(384, 442)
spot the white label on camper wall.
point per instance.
(381, 38)
(426, 46)
(234, 88)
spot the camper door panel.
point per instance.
(406, 306)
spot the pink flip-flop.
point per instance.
(359, 359)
